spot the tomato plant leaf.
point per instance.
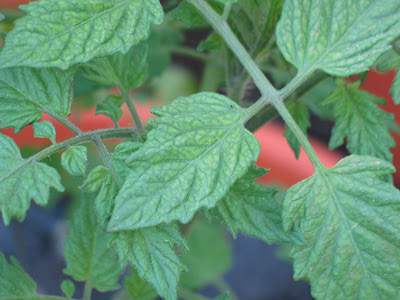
(206, 263)
(126, 70)
(360, 121)
(68, 288)
(340, 37)
(87, 254)
(22, 180)
(194, 153)
(111, 107)
(137, 288)
(151, 251)
(300, 114)
(14, 282)
(74, 160)
(23, 100)
(349, 217)
(252, 209)
(44, 129)
(61, 33)
(395, 89)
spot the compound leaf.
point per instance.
(349, 217)
(300, 114)
(125, 70)
(194, 153)
(361, 121)
(252, 209)
(74, 160)
(87, 254)
(61, 33)
(151, 251)
(340, 37)
(25, 94)
(14, 282)
(22, 180)
(44, 129)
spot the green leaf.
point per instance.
(224, 296)
(61, 33)
(389, 60)
(151, 251)
(14, 282)
(361, 122)
(349, 217)
(252, 209)
(194, 153)
(395, 90)
(111, 107)
(340, 37)
(300, 114)
(68, 288)
(74, 160)
(22, 180)
(187, 14)
(206, 263)
(125, 70)
(87, 254)
(137, 288)
(45, 129)
(25, 94)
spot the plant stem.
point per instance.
(87, 291)
(64, 121)
(188, 52)
(223, 29)
(227, 10)
(128, 100)
(106, 159)
(291, 123)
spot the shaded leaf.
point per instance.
(61, 33)
(340, 37)
(349, 217)
(137, 288)
(23, 180)
(195, 152)
(111, 107)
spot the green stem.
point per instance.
(188, 52)
(105, 156)
(291, 123)
(87, 291)
(227, 10)
(64, 121)
(128, 100)
(223, 29)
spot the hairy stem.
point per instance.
(64, 121)
(128, 100)
(87, 291)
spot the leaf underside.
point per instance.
(194, 153)
(340, 37)
(74, 31)
(349, 218)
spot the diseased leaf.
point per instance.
(61, 33)
(300, 114)
(14, 282)
(210, 255)
(361, 122)
(151, 251)
(349, 217)
(340, 37)
(25, 94)
(87, 254)
(137, 288)
(22, 180)
(111, 107)
(395, 90)
(194, 153)
(125, 70)
(252, 209)
(74, 160)
(45, 130)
